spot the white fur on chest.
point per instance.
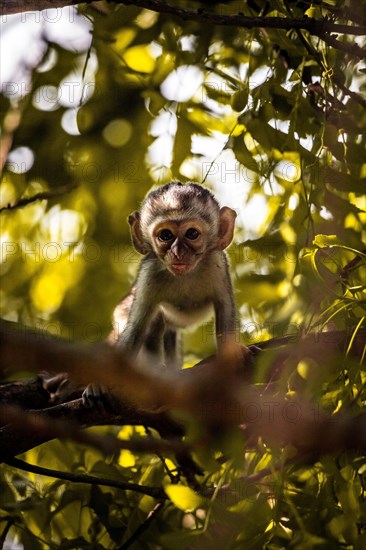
(183, 318)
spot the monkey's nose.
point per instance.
(175, 249)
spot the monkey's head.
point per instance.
(180, 224)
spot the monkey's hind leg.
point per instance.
(172, 351)
(152, 352)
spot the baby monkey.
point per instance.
(184, 275)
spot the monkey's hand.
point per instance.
(59, 386)
(239, 358)
(54, 383)
(97, 396)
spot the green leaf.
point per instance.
(182, 142)
(218, 94)
(344, 182)
(183, 497)
(243, 154)
(239, 99)
(325, 241)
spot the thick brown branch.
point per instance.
(100, 363)
(212, 395)
(24, 429)
(30, 394)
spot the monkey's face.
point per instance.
(181, 224)
(180, 245)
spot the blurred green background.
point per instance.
(100, 104)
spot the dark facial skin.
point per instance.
(180, 244)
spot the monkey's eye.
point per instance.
(165, 235)
(192, 234)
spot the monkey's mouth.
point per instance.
(180, 268)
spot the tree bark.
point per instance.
(212, 393)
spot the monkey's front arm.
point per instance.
(132, 337)
(225, 322)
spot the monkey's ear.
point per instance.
(137, 240)
(226, 227)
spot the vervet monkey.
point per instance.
(184, 274)
(182, 233)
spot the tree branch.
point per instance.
(143, 527)
(24, 429)
(10, 7)
(314, 53)
(352, 49)
(62, 190)
(154, 492)
(313, 26)
(217, 397)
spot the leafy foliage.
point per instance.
(267, 119)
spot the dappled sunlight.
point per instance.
(69, 122)
(139, 59)
(254, 214)
(182, 84)
(55, 279)
(8, 193)
(47, 292)
(64, 227)
(114, 197)
(117, 132)
(100, 103)
(20, 160)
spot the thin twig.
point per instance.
(154, 492)
(143, 527)
(352, 264)
(351, 49)
(58, 191)
(314, 53)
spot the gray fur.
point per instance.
(164, 302)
